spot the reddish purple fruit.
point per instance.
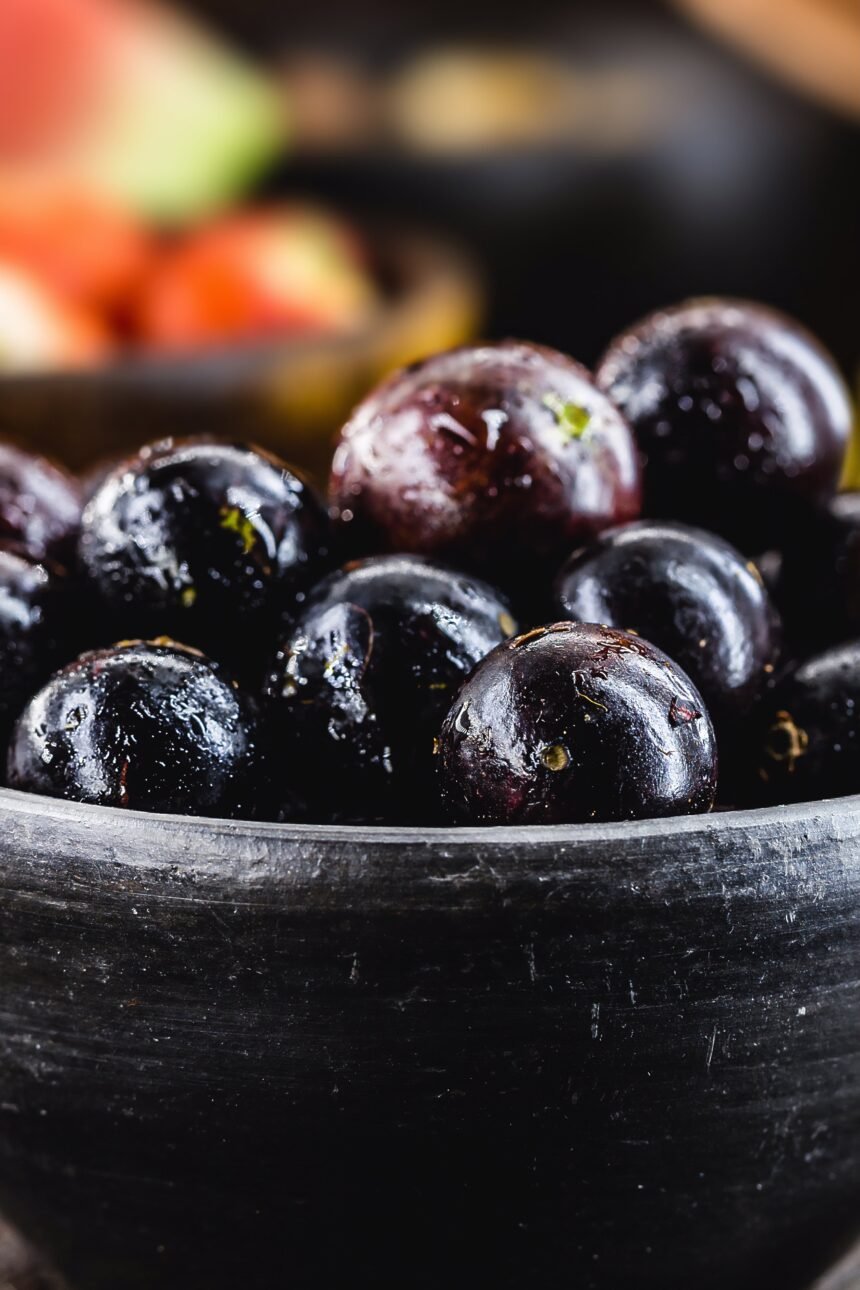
(576, 722)
(741, 415)
(495, 457)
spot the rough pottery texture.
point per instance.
(583, 1056)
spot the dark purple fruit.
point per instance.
(576, 722)
(809, 744)
(741, 416)
(360, 687)
(151, 726)
(37, 622)
(688, 592)
(207, 542)
(40, 505)
(492, 457)
(819, 584)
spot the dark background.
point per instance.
(746, 189)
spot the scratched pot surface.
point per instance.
(578, 1056)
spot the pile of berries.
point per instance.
(537, 595)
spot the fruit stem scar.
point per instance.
(791, 740)
(555, 757)
(571, 419)
(233, 519)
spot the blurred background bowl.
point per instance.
(289, 395)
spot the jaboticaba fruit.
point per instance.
(576, 722)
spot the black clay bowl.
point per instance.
(586, 1057)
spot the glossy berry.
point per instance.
(37, 623)
(741, 416)
(360, 687)
(819, 582)
(40, 505)
(576, 722)
(688, 592)
(207, 542)
(810, 730)
(496, 457)
(150, 726)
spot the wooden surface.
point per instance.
(813, 44)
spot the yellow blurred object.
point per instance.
(814, 44)
(851, 473)
(459, 100)
(463, 100)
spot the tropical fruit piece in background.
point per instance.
(38, 329)
(84, 247)
(126, 98)
(259, 273)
